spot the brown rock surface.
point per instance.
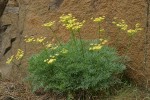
(27, 16)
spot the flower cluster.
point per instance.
(98, 19)
(96, 47)
(49, 24)
(9, 60)
(123, 26)
(18, 56)
(52, 59)
(132, 32)
(47, 45)
(120, 24)
(33, 39)
(28, 40)
(71, 23)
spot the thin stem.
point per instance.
(128, 45)
(81, 44)
(73, 38)
(99, 30)
(55, 36)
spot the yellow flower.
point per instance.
(48, 45)
(95, 48)
(137, 25)
(19, 54)
(99, 19)
(71, 23)
(49, 24)
(30, 39)
(131, 32)
(9, 60)
(40, 40)
(113, 22)
(45, 60)
(124, 27)
(122, 24)
(104, 42)
(98, 47)
(52, 56)
(50, 61)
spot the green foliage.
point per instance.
(69, 71)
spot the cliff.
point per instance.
(25, 18)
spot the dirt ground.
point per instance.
(10, 90)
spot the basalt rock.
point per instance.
(25, 17)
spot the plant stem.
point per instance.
(82, 49)
(73, 38)
(55, 36)
(128, 45)
(99, 30)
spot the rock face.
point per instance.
(2, 28)
(25, 17)
(8, 33)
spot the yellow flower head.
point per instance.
(45, 60)
(99, 19)
(40, 40)
(50, 61)
(48, 45)
(131, 32)
(30, 39)
(95, 48)
(9, 60)
(104, 42)
(19, 55)
(49, 24)
(121, 24)
(71, 23)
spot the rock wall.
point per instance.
(25, 17)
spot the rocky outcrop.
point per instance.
(3, 4)
(2, 28)
(8, 35)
